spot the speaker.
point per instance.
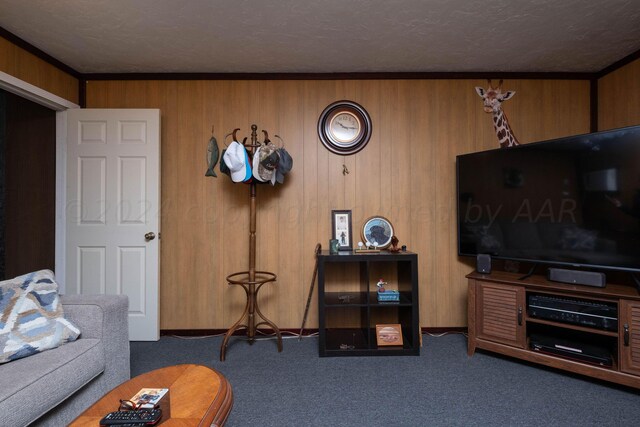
(483, 263)
(577, 277)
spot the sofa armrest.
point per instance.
(104, 317)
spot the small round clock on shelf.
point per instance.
(344, 127)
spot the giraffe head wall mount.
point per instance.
(492, 98)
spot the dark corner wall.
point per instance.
(27, 186)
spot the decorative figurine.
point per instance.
(492, 99)
(360, 245)
(387, 295)
(394, 244)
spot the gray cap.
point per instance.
(284, 165)
(223, 165)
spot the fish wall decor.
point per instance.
(213, 154)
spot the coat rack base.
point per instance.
(251, 282)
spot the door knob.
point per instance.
(150, 236)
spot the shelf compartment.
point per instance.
(346, 317)
(578, 311)
(344, 299)
(382, 315)
(397, 274)
(345, 340)
(407, 343)
(612, 368)
(344, 277)
(574, 337)
(572, 327)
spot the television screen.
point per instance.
(574, 201)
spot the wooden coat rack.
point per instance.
(251, 280)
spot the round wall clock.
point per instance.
(344, 127)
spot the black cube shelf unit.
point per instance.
(348, 306)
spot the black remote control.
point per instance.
(139, 417)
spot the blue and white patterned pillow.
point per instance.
(31, 316)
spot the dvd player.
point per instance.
(570, 349)
(595, 314)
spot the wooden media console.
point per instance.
(500, 321)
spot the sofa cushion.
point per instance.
(31, 386)
(31, 316)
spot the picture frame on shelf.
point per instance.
(377, 229)
(341, 229)
(389, 335)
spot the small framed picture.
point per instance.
(377, 229)
(341, 226)
(389, 334)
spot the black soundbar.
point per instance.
(577, 277)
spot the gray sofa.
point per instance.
(53, 387)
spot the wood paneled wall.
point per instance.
(406, 173)
(25, 66)
(619, 97)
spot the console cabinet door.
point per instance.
(500, 313)
(630, 337)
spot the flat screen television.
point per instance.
(569, 201)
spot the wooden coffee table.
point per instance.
(199, 396)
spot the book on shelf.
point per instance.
(389, 334)
(149, 397)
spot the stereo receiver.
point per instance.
(595, 314)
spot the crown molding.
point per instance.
(341, 76)
(618, 64)
(38, 53)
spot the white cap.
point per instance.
(237, 160)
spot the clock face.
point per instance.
(344, 127)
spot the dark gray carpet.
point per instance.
(442, 387)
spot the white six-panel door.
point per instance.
(113, 204)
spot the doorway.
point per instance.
(27, 186)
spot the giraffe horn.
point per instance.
(489, 82)
(500, 84)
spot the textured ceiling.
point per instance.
(328, 36)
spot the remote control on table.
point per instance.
(147, 417)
